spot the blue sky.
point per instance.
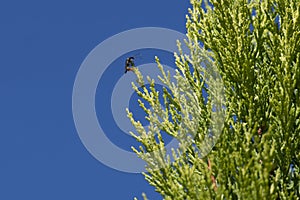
(42, 45)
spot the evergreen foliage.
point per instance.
(245, 55)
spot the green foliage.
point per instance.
(252, 77)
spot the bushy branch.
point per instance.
(234, 107)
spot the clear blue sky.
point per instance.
(42, 45)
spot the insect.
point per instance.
(129, 64)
